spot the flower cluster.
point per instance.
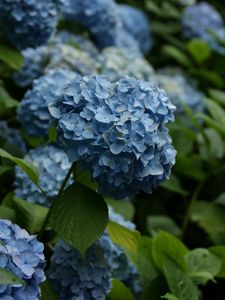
(33, 110)
(201, 20)
(22, 255)
(137, 24)
(117, 130)
(117, 62)
(11, 136)
(53, 165)
(28, 23)
(104, 20)
(181, 90)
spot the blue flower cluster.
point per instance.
(22, 255)
(181, 90)
(137, 24)
(11, 136)
(76, 278)
(117, 62)
(110, 26)
(203, 21)
(117, 130)
(53, 165)
(33, 110)
(28, 23)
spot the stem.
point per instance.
(190, 206)
(64, 183)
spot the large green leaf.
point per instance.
(124, 208)
(47, 291)
(26, 166)
(79, 216)
(179, 282)
(7, 213)
(84, 177)
(156, 223)
(219, 251)
(29, 215)
(11, 57)
(166, 245)
(119, 291)
(202, 265)
(199, 49)
(6, 277)
(216, 111)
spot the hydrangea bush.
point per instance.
(21, 254)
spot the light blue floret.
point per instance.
(28, 23)
(33, 110)
(53, 165)
(117, 130)
(138, 25)
(22, 255)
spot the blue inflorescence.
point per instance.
(22, 255)
(53, 165)
(28, 23)
(117, 130)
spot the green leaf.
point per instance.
(210, 77)
(169, 296)
(202, 265)
(47, 291)
(79, 216)
(124, 208)
(165, 245)
(219, 251)
(6, 277)
(179, 282)
(84, 177)
(199, 49)
(177, 55)
(4, 169)
(52, 134)
(7, 103)
(174, 185)
(217, 95)
(190, 166)
(7, 213)
(211, 218)
(156, 223)
(216, 111)
(11, 57)
(119, 291)
(26, 166)
(220, 199)
(138, 250)
(212, 123)
(29, 215)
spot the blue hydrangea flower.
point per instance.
(33, 110)
(11, 136)
(199, 20)
(77, 278)
(117, 130)
(181, 90)
(138, 25)
(22, 255)
(28, 23)
(103, 19)
(53, 165)
(117, 62)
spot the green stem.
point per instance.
(190, 206)
(65, 181)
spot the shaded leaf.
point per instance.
(47, 291)
(156, 223)
(7, 213)
(119, 291)
(6, 277)
(11, 57)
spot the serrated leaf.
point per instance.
(199, 49)
(156, 223)
(202, 265)
(7, 213)
(79, 216)
(166, 245)
(119, 291)
(6, 277)
(11, 57)
(47, 291)
(179, 282)
(26, 166)
(29, 215)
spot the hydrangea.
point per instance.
(28, 23)
(78, 41)
(11, 136)
(117, 62)
(117, 130)
(181, 90)
(33, 110)
(103, 19)
(199, 20)
(22, 255)
(137, 24)
(53, 165)
(77, 278)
